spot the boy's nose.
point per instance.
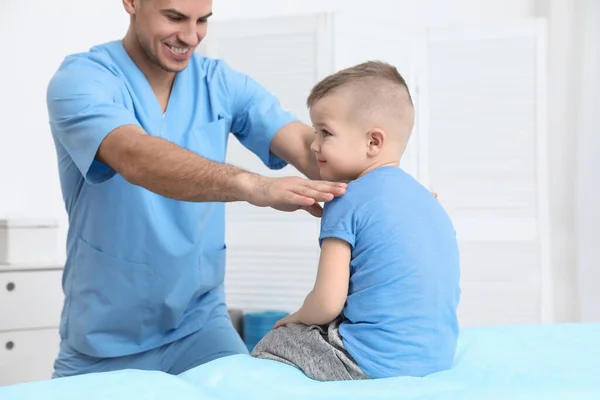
(314, 146)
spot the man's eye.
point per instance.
(174, 18)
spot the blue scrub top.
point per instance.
(143, 270)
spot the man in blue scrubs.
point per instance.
(140, 128)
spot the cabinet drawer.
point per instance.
(31, 299)
(27, 356)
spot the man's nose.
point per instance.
(190, 35)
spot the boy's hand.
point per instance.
(290, 319)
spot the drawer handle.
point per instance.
(10, 286)
(10, 345)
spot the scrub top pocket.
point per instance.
(190, 283)
(210, 140)
(108, 301)
(211, 269)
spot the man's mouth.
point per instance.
(179, 51)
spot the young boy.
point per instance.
(387, 288)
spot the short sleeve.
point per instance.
(338, 221)
(82, 112)
(257, 115)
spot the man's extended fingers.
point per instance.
(317, 195)
(298, 199)
(333, 184)
(335, 188)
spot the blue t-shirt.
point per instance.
(143, 270)
(404, 290)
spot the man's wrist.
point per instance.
(246, 185)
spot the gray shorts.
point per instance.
(316, 350)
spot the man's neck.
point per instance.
(160, 81)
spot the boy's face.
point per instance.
(340, 145)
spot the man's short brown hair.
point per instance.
(377, 90)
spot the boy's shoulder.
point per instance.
(388, 190)
(365, 192)
(381, 183)
(382, 175)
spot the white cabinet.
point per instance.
(479, 141)
(27, 242)
(31, 300)
(27, 356)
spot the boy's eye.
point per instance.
(325, 133)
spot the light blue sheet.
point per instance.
(520, 362)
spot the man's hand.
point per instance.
(289, 193)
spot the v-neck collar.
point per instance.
(143, 89)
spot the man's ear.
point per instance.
(375, 138)
(131, 6)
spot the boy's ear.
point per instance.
(376, 137)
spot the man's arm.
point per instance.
(326, 301)
(292, 144)
(103, 138)
(264, 127)
(167, 169)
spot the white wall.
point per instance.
(411, 11)
(563, 104)
(54, 29)
(37, 35)
(587, 221)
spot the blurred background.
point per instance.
(507, 133)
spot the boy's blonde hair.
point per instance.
(378, 92)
